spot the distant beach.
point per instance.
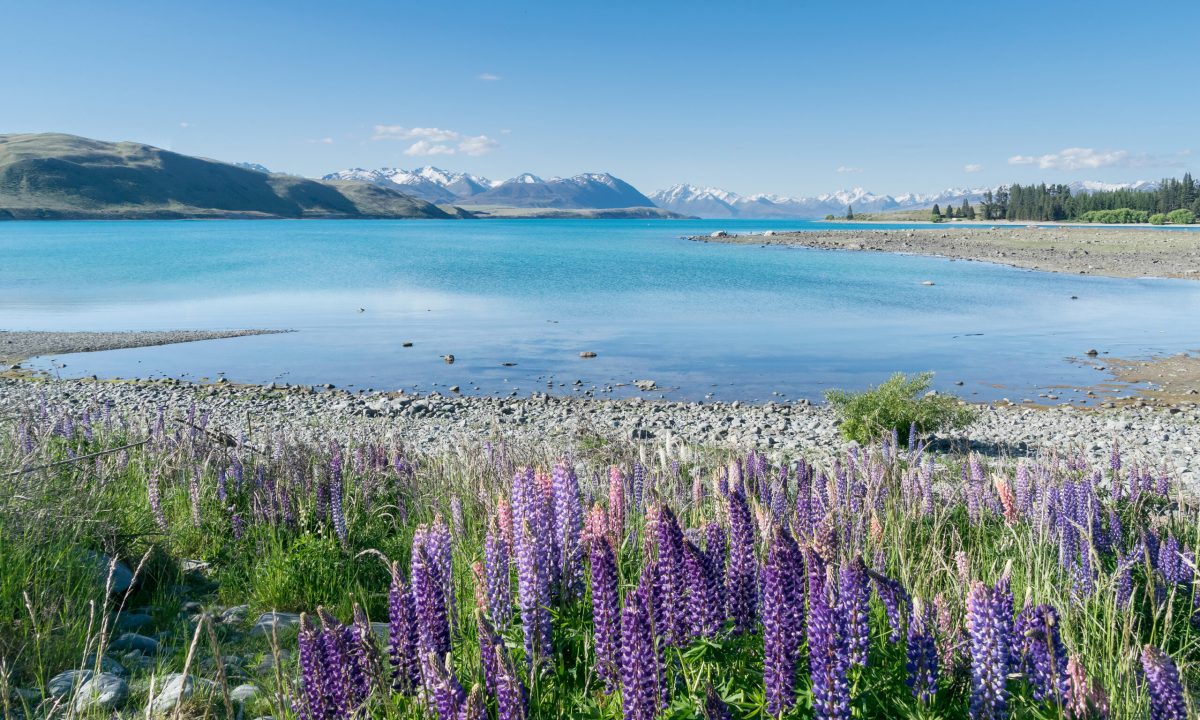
(1084, 250)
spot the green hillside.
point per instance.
(56, 176)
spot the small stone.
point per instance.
(406, 344)
(240, 694)
(176, 689)
(134, 641)
(927, 282)
(103, 692)
(454, 388)
(449, 359)
(64, 683)
(645, 385)
(280, 621)
(1092, 352)
(587, 354)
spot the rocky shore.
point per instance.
(1115, 252)
(434, 423)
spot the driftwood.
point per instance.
(81, 458)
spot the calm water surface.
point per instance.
(736, 322)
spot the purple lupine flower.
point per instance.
(429, 599)
(922, 662)
(895, 601)
(779, 651)
(337, 512)
(308, 644)
(704, 608)
(497, 576)
(450, 701)
(1041, 653)
(568, 524)
(715, 547)
(639, 484)
(1170, 561)
(827, 659)
(222, 490)
(1163, 686)
(1124, 588)
(671, 580)
(511, 700)
(606, 612)
(237, 525)
(855, 610)
(640, 672)
(335, 666)
(155, 497)
(990, 641)
(714, 707)
(194, 495)
(741, 581)
(616, 506)
(403, 636)
(456, 515)
(437, 544)
(364, 669)
(533, 596)
(489, 641)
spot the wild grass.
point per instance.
(265, 517)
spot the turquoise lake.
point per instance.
(700, 319)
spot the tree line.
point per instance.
(1174, 200)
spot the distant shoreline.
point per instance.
(1113, 251)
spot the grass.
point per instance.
(265, 528)
(897, 407)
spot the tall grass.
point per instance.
(291, 526)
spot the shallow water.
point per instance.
(731, 321)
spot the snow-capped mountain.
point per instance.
(589, 190)
(709, 202)
(427, 183)
(257, 167)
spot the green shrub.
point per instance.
(1118, 216)
(1158, 219)
(1181, 217)
(897, 405)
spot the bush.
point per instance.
(1158, 219)
(1118, 216)
(897, 405)
(1181, 217)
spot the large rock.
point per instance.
(280, 621)
(176, 689)
(64, 683)
(103, 692)
(133, 641)
(107, 665)
(243, 693)
(122, 576)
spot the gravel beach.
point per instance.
(433, 423)
(16, 346)
(1115, 252)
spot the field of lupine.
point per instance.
(601, 581)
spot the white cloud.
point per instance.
(845, 169)
(972, 167)
(425, 147)
(321, 141)
(1077, 158)
(436, 141)
(184, 124)
(489, 77)
(478, 145)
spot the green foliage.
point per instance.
(1158, 219)
(1056, 202)
(1118, 216)
(1181, 217)
(849, 212)
(897, 405)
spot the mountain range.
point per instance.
(56, 176)
(709, 202)
(585, 191)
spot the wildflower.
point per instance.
(403, 636)
(922, 652)
(703, 592)
(308, 644)
(895, 601)
(1041, 653)
(990, 641)
(489, 642)
(1085, 698)
(714, 707)
(429, 599)
(1163, 686)
(616, 506)
(568, 524)
(155, 497)
(670, 578)
(533, 595)
(511, 700)
(640, 671)
(827, 657)
(497, 580)
(605, 612)
(854, 608)
(779, 596)
(715, 548)
(741, 580)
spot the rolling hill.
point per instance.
(56, 176)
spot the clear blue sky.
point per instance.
(790, 97)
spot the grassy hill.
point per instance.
(55, 176)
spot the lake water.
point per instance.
(700, 319)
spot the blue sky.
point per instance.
(791, 98)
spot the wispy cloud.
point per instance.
(436, 141)
(185, 124)
(320, 141)
(489, 77)
(1077, 158)
(972, 167)
(845, 169)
